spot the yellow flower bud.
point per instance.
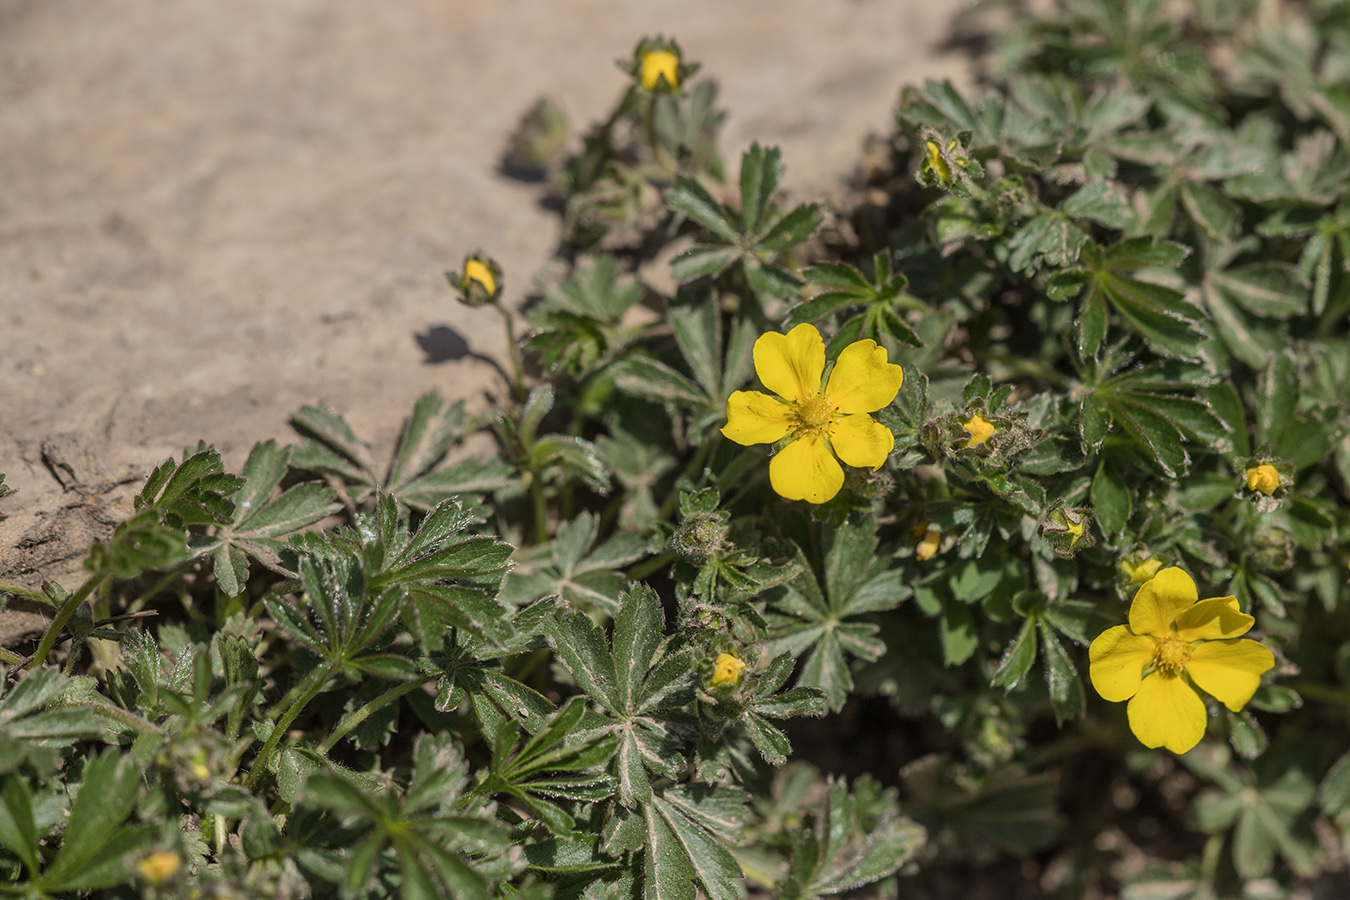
(929, 544)
(1143, 570)
(659, 64)
(1263, 478)
(477, 270)
(980, 430)
(727, 670)
(937, 163)
(158, 868)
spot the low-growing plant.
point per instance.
(1042, 508)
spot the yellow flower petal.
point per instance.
(1159, 599)
(980, 428)
(755, 418)
(1264, 478)
(477, 270)
(1167, 712)
(727, 670)
(862, 380)
(1116, 662)
(1217, 618)
(1230, 670)
(806, 470)
(658, 64)
(791, 364)
(862, 441)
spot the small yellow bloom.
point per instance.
(1263, 478)
(929, 544)
(158, 868)
(1141, 571)
(659, 64)
(477, 270)
(820, 424)
(1174, 647)
(727, 670)
(980, 430)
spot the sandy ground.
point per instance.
(214, 213)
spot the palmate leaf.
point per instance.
(639, 687)
(260, 521)
(576, 324)
(443, 576)
(1160, 315)
(195, 493)
(1160, 410)
(435, 842)
(98, 847)
(809, 618)
(717, 361)
(751, 238)
(553, 764)
(428, 434)
(688, 829)
(575, 568)
(885, 303)
(859, 837)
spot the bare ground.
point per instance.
(215, 213)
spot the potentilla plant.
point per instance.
(852, 564)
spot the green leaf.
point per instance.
(1111, 499)
(1017, 659)
(1102, 201)
(681, 853)
(692, 199)
(1217, 216)
(1267, 288)
(97, 849)
(761, 170)
(18, 830)
(796, 226)
(1066, 689)
(1276, 399)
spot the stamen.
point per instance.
(816, 413)
(1172, 655)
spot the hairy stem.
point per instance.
(308, 689)
(62, 617)
(357, 716)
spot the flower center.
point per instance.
(816, 414)
(1172, 655)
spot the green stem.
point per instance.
(655, 563)
(357, 716)
(19, 590)
(691, 471)
(169, 578)
(540, 508)
(513, 349)
(62, 617)
(309, 688)
(125, 717)
(9, 657)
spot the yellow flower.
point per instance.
(1175, 646)
(158, 868)
(820, 424)
(980, 430)
(659, 64)
(929, 544)
(477, 270)
(1143, 570)
(1263, 478)
(727, 670)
